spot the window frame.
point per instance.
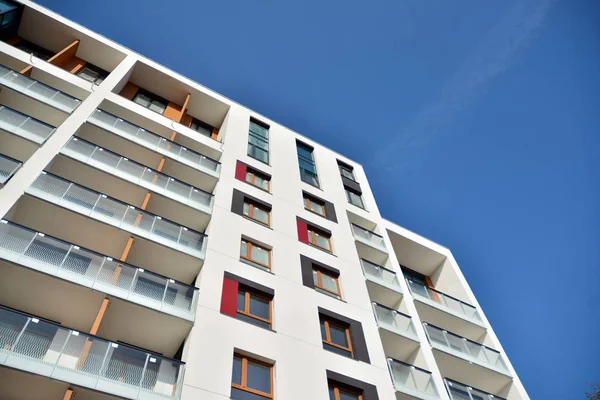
(343, 388)
(319, 284)
(347, 169)
(102, 74)
(362, 203)
(246, 312)
(261, 138)
(153, 97)
(327, 321)
(312, 232)
(247, 257)
(203, 124)
(302, 158)
(254, 173)
(306, 197)
(251, 205)
(244, 376)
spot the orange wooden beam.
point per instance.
(65, 55)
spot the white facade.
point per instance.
(406, 360)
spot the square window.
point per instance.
(346, 172)
(319, 239)
(256, 255)
(324, 281)
(315, 205)
(257, 212)
(254, 307)
(342, 392)
(258, 179)
(201, 127)
(354, 198)
(336, 337)
(251, 379)
(150, 101)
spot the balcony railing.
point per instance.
(85, 267)
(139, 174)
(37, 90)
(465, 348)
(25, 126)
(380, 275)
(152, 141)
(368, 237)
(412, 380)
(394, 321)
(40, 347)
(116, 213)
(460, 391)
(8, 167)
(452, 304)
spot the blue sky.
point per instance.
(478, 124)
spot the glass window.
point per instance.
(326, 282)
(257, 213)
(92, 74)
(314, 205)
(251, 379)
(254, 307)
(150, 101)
(255, 255)
(306, 161)
(339, 392)
(346, 172)
(354, 198)
(201, 127)
(319, 239)
(336, 337)
(258, 179)
(258, 142)
(5, 6)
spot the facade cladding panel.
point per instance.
(152, 284)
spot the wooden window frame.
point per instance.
(248, 257)
(246, 312)
(337, 388)
(319, 283)
(252, 180)
(313, 241)
(250, 214)
(327, 340)
(244, 378)
(310, 199)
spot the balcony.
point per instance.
(397, 332)
(459, 391)
(37, 90)
(465, 360)
(121, 177)
(446, 310)
(20, 134)
(383, 284)
(43, 348)
(8, 167)
(411, 382)
(131, 136)
(369, 244)
(81, 266)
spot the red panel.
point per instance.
(229, 297)
(240, 171)
(302, 231)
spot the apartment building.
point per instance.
(160, 241)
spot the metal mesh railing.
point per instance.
(8, 167)
(394, 321)
(155, 142)
(468, 349)
(139, 174)
(368, 236)
(378, 274)
(37, 90)
(52, 256)
(34, 345)
(467, 311)
(25, 126)
(121, 215)
(409, 378)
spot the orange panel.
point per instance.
(65, 55)
(129, 91)
(74, 65)
(173, 111)
(27, 70)
(214, 134)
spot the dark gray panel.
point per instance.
(369, 391)
(359, 344)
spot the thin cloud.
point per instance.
(491, 56)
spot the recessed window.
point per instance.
(257, 212)
(326, 282)
(150, 101)
(93, 74)
(253, 307)
(32, 48)
(306, 161)
(315, 205)
(258, 141)
(251, 379)
(256, 255)
(319, 238)
(354, 198)
(201, 127)
(341, 392)
(336, 337)
(346, 171)
(258, 179)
